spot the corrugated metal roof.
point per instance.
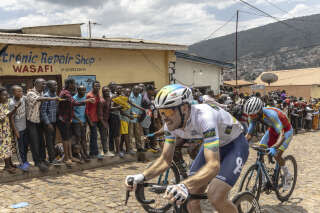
(240, 83)
(309, 76)
(119, 43)
(203, 60)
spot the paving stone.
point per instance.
(102, 189)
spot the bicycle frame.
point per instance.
(262, 169)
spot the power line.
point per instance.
(219, 28)
(275, 18)
(274, 5)
(295, 18)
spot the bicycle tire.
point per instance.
(249, 197)
(140, 192)
(279, 196)
(257, 191)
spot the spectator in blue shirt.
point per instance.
(79, 120)
(135, 129)
(48, 114)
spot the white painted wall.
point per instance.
(211, 74)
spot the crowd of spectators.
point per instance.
(303, 114)
(121, 116)
(29, 121)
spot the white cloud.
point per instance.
(178, 21)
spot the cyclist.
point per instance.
(277, 136)
(220, 159)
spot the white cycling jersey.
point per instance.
(214, 125)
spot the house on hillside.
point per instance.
(199, 72)
(299, 82)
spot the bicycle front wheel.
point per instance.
(252, 181)
(246, 203)
(284, 192)
(170, 177)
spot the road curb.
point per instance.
(34, 172)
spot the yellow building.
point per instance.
(123, 61)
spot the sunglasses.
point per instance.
(167, 112)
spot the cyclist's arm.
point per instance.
(250, 129)
(164, 161)
(207, 172)
(212, 166)
(159, 132)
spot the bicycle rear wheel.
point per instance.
(291, 164)
(169, 177)
(252, 181)
(246, 203)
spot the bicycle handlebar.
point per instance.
(259, 149)
(161, 189)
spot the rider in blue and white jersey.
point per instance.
(220, 159)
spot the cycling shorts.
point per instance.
(232, 158)
(271, 137)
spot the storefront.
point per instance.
(123, 61)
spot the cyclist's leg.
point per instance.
(232, 157)
(218, 196)
(287, 138)
(194, 205)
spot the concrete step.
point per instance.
(34, 172)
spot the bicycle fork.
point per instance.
(165, 181)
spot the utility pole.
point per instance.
(237, 48)
(89, 27)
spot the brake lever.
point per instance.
(130, 183)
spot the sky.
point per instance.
(171, 21)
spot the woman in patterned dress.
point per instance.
(7, 147)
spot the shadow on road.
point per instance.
(289, 206)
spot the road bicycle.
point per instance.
(177, 171)
(274, 179)
(244, 201)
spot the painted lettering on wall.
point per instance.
(45, 58)
(32, 68)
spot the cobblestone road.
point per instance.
(101, 190)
